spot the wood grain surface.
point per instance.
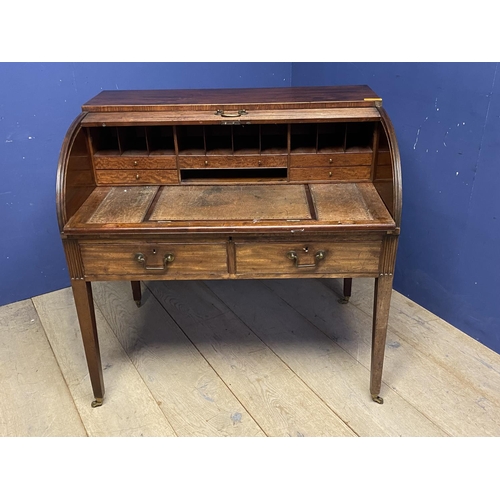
(339, 258)
(124, 204)
(348, 202)
(345, 174)
(121, 259)
(188, 117)
(269, 98)
(137, 177)
(154, 162)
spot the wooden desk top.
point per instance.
(264, 98)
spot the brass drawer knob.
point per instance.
(136, 163)
(137, 176)
(330, 161)
(206, 163)
(259, 163)
(319, 255)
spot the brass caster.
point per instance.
(97, 402)
(377, 399)
(138, 303)
(344, 300)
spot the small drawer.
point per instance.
(134, 162)
(331, 160)
(233, 161)
(330, 174)
(355, 258)
(154, 259)
(137, 177)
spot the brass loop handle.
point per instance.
(231, 114)
(292, 255)
(169, 257)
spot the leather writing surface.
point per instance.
(231, 203)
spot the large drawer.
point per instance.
(343, 257)
(154, 259)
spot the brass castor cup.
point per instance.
(377, 399)
(97, 402)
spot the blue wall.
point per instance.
(447, 119)
(37, 104)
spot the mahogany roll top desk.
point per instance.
(230, 184)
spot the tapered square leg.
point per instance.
(347, 291)
(136, 292)
(381, 305)
(82, 292)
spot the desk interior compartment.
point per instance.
(218, 140)
(133, 141)
(161, 140)
(331, 137)
(359, 137)
(246, 139)
(105, 141)
(191, 140)
(233, 175)
(273, 139)
(304, 138)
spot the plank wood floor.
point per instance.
(241, 358)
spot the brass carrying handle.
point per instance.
(292, 255)
(169, 257)
(231, 114)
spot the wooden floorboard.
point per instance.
(241, 358)
(130, 408)
(467, 359)
(191, 394)
(34, 398)
(272, 393)
(451, 402)
(331, 372)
